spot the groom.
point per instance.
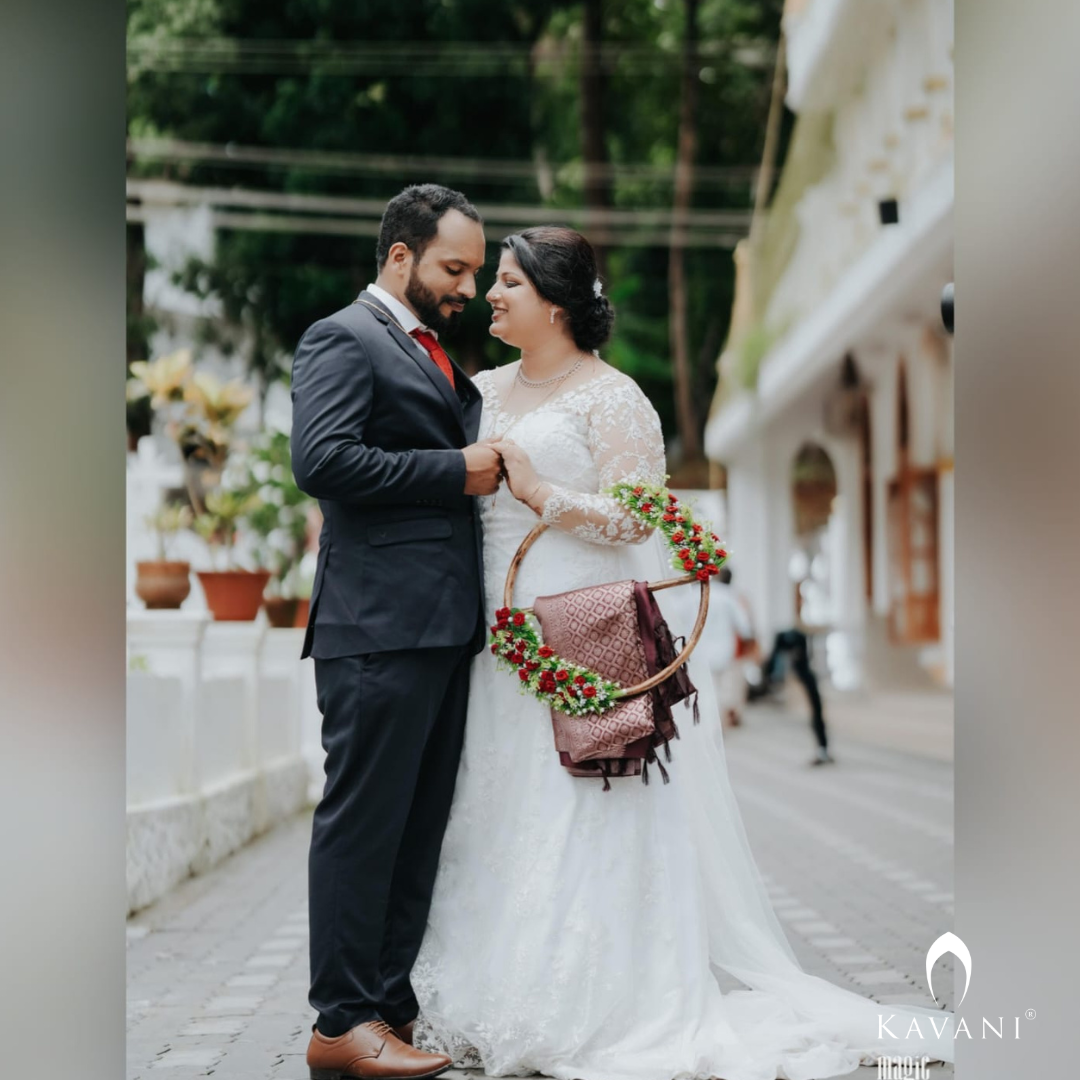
(384, 430)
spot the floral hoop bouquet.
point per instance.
(572, 688)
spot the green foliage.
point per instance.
(753, 348)
(279, 517)
(272, 285)
(220, 521)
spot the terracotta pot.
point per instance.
(162, 585)
(281, 611)
(234, 595)
(303, 607)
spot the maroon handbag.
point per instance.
(617, 630)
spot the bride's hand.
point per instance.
(524, 483)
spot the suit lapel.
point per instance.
(426, 365)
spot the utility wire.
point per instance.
(361, 164)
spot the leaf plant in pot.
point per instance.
(278, 523)
(233, 594)
(164, 583)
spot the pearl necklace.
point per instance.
(535, 384)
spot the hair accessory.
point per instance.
(598, 289)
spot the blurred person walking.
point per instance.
(384, 436)
(795, 644)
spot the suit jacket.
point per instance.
(376, 438)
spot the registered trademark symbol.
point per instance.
(1030, 1014)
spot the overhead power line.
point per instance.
(239, 208)
(367, 164)
(457, 59)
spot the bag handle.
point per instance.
(670, 583)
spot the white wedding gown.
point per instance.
(575, 932)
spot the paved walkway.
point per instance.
(857, 858)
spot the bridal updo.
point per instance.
(561, 265)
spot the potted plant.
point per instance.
(161, 583)
(279, 521)
(233, 594)
(204, 434)
(196, 411)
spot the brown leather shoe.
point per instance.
(370, 1051)
(404, 1033)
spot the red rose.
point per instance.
(715, 537)
(562, 675)
(502, 624)
(679, 518)
(678, 537)
(646, 508)
(669, 517)
(545, 651)
(519, 618)
(523, 675)
(703, 574)
(713, 569)
(502, 613)
(671, 498)
(580, 680)
(522, 644)
(589, 691)
(494, 648)
(517, 658)
(702, 556)
(684, 553)
(721, 553)
(696, 528)
(639, 491)
(532, 665)
(495, 628)
(688, 565)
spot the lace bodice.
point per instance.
(582, 442)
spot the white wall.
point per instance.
(222, 742)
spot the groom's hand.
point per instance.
(483, 469)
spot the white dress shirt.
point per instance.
(407, 320)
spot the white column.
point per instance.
(279, 695)
(168, 645)
(747, 532)
(230, 712)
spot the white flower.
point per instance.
(597, 288)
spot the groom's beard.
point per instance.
(426, 304)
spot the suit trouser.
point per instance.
(393, 726)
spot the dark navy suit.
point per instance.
(396, 616)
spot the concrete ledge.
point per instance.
(171, 840)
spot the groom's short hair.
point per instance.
(412, 218)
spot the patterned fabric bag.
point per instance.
(617, 630)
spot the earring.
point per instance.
(552, 319)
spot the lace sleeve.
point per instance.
(626, 444)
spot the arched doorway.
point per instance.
(812, 566)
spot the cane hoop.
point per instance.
(670, 583)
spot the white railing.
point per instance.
(222, 742)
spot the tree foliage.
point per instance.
(275, 284)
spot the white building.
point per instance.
(834, 413)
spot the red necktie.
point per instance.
(435, 350)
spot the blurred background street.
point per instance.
(857, 859)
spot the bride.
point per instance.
(575, 932)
